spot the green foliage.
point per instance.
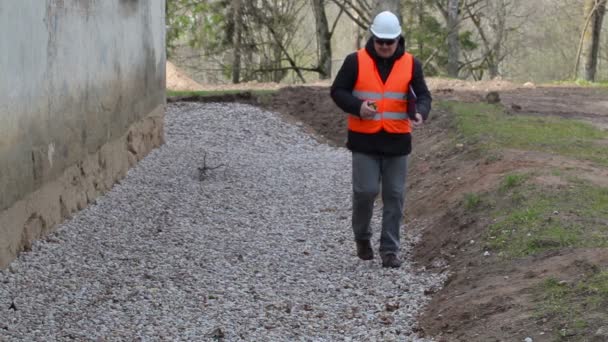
(425, 36)
(199, 23)
(266, 39)
(467, 42)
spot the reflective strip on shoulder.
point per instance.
(395, 115)
(366, 95)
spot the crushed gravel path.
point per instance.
(257, 246)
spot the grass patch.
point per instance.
(491, 128)
(530, 220)
(511, 181)
(575, 307)
(471, 201)
(582, 83)
(527, 218)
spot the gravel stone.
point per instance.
(259, 247)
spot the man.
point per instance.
(382, 88)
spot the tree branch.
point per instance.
(361, 19)
(333, 26)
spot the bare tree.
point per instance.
(388, 5)
(495, 21)
(324, 34)
(419, 11)
(362, 12)
(453, 42)
(589, 45)
(236, 41)
(359, 11)
(449, 9)
(277, 22)
(241, 40)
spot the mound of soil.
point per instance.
(486, 298)
(177, 80)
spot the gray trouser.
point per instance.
(368, 172)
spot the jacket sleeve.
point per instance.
(424, 99)
(343, 85)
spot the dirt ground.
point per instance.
(485, 298)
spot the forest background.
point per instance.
(302, 41)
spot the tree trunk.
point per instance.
(277, 75)
(453, 42)
(387, 5)
(490, 19)
(500, 27)
(236, 41)
(323, 39)
(419, 9)
(590, 39)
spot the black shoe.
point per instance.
(364, 250)
(391, 260)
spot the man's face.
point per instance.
(385, 48)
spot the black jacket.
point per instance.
(381, 143)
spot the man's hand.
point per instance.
(367, 112)
(418, 121)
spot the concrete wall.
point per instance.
(82, 96)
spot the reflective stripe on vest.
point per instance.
(390, 97)
(386, 115)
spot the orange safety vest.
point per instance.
(390, 97)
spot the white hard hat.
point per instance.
(386, 26)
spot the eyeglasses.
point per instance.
(388, 42)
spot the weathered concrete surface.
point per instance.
(82, 95)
